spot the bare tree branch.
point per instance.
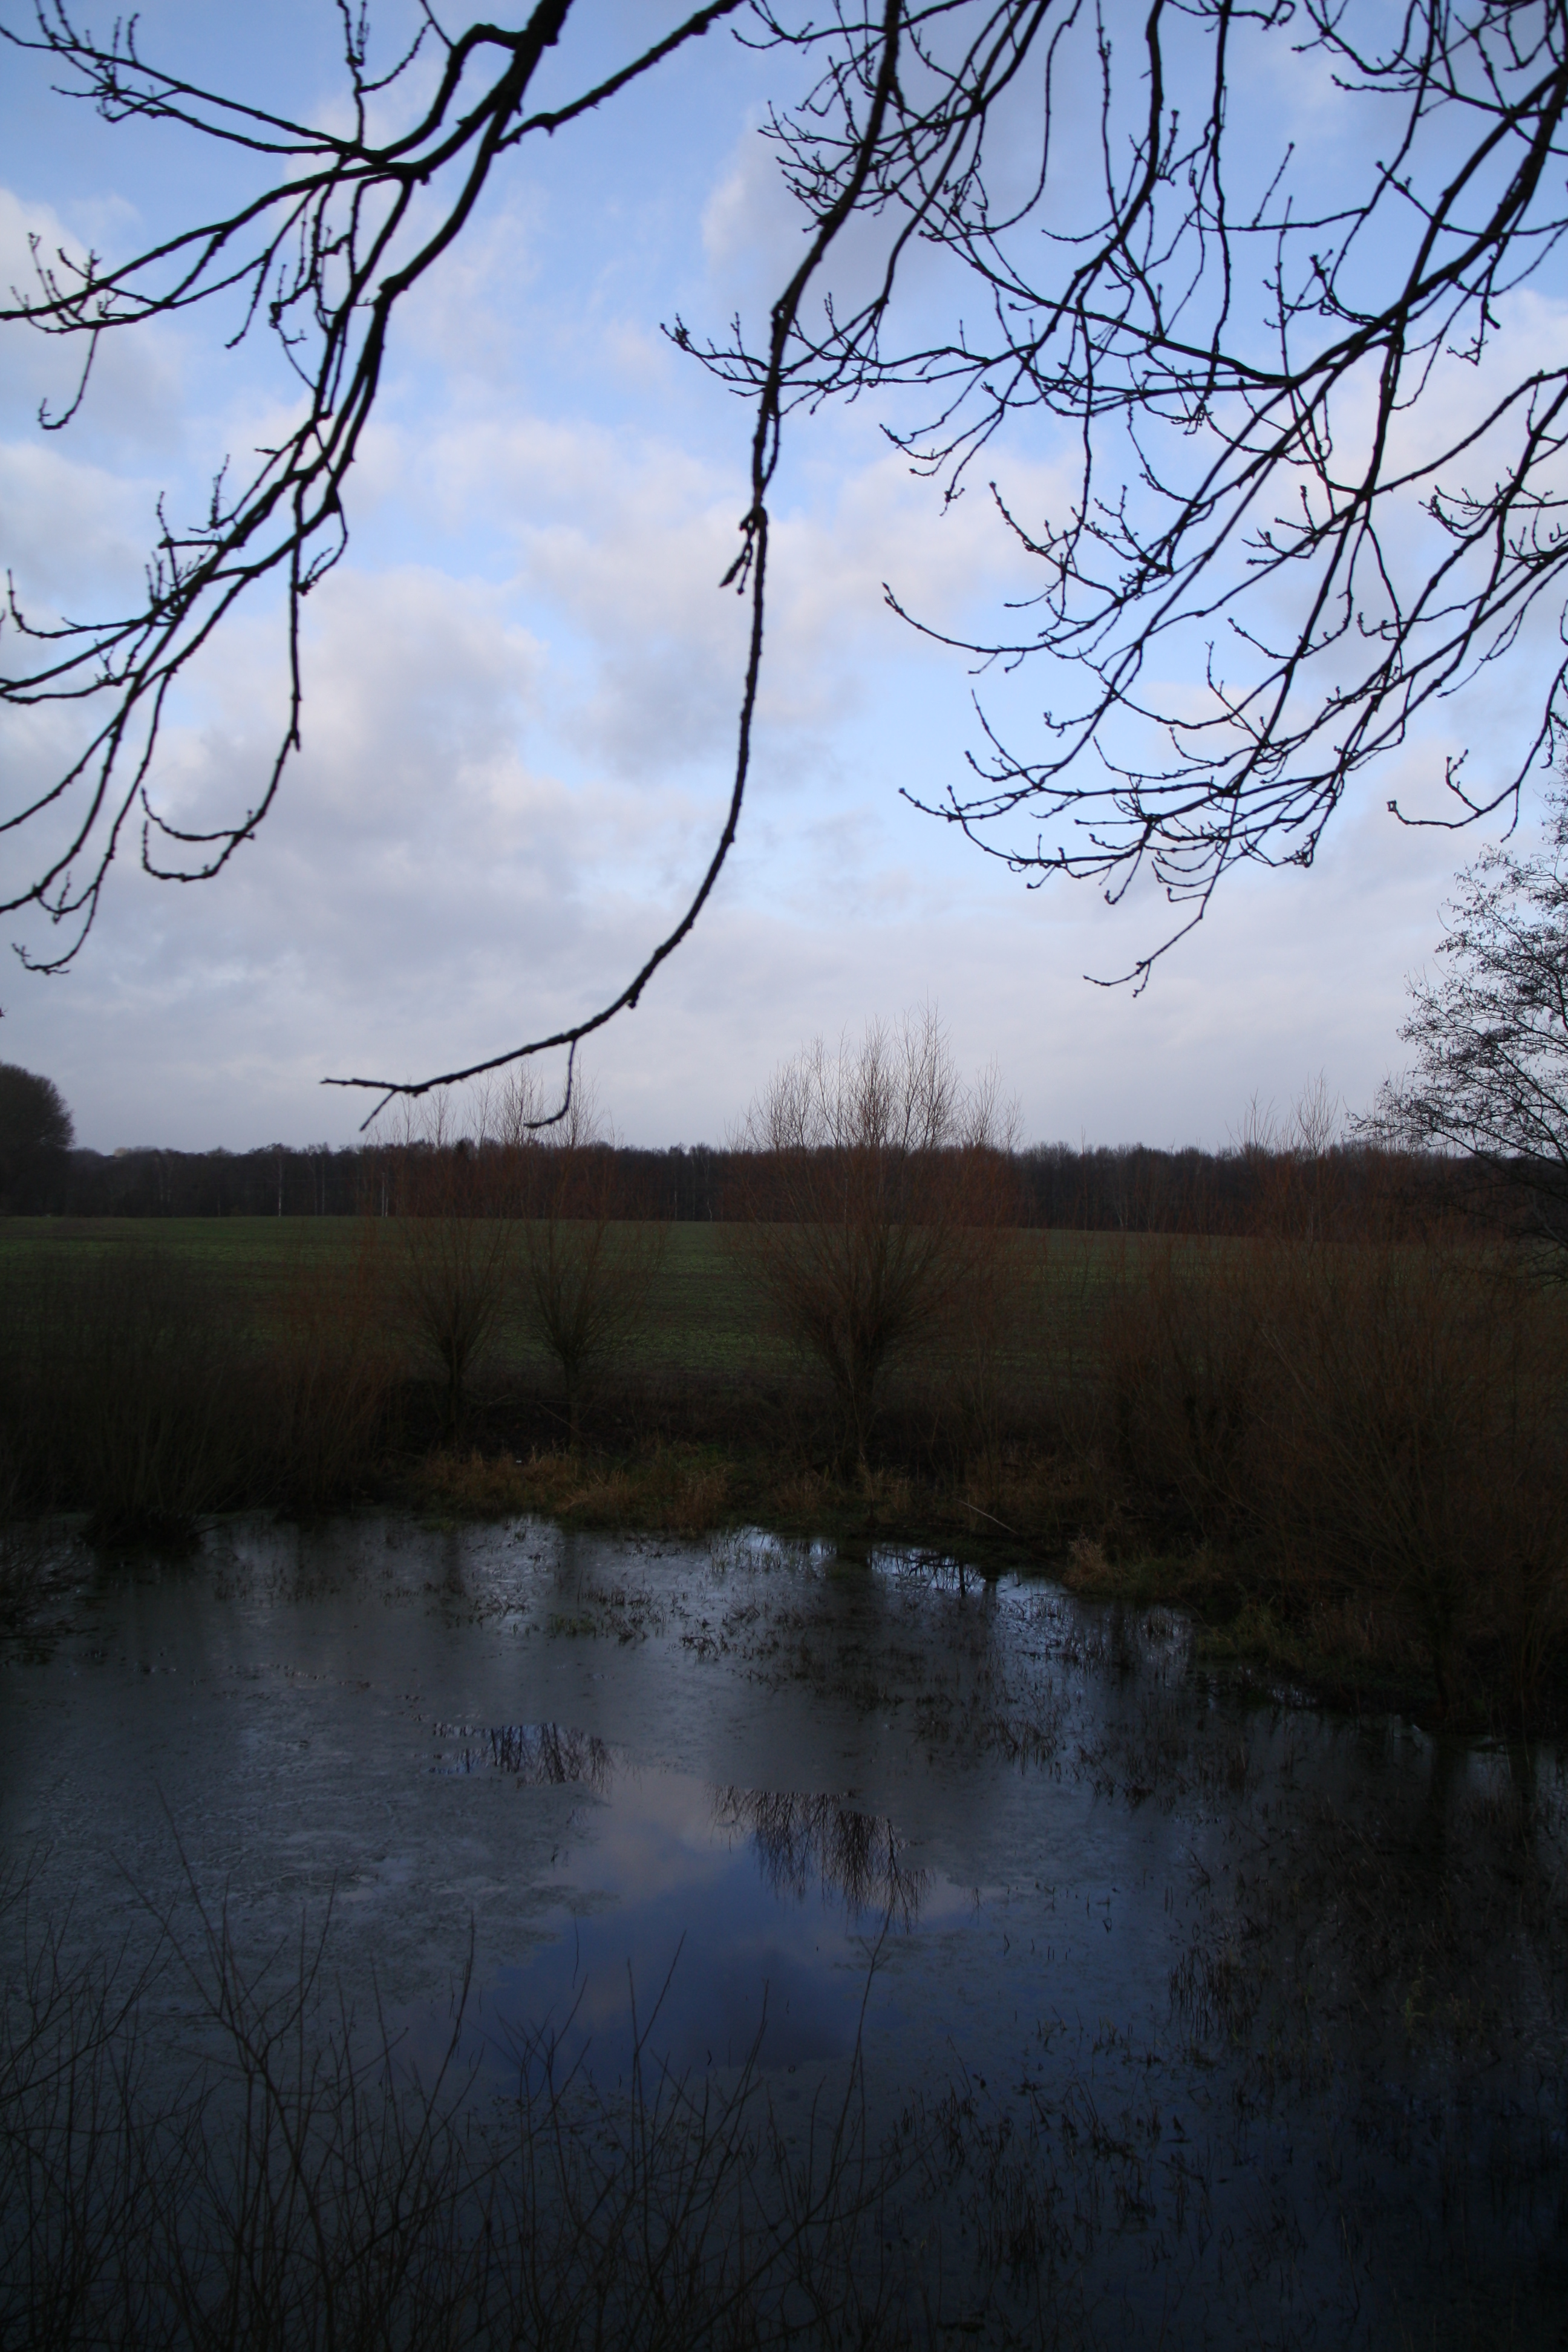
(1295, 526)
(1316, 491)
(324, 255)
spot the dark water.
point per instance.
(1230, 2023)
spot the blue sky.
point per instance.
(522, 683)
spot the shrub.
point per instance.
(124, 1382)
(327, 1379)
(585, 1274)
(452, 1266)
(1377, 1424)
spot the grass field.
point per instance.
(704, 1315)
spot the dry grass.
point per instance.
(673, 1489)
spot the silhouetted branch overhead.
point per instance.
(1308, 479)
(1313, 491)
(322, 258)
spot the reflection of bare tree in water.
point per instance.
(854, 1856)
(545, 1754)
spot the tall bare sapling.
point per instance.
(454, 1249)
(876, 1185)
(584, 1271)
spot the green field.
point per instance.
(704, 1314)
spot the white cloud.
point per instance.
(521, 703)
(752, 226)
(435, 885)
(71, 531)
(623, 539)
(425, 892)
(132, 401)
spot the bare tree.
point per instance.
(1490, 1031)
(1317, 474)
(584, 1272)
(876, 1186)
(1296, 1164)
(454, 1249)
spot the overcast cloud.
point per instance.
(520, 701)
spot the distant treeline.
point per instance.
(1126, 1188)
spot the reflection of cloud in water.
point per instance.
(541, 1754)
(853, 1855)
(799, 1841)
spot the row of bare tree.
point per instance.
(878, 1202)
(874, 1204)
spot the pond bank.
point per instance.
(1030, 1513)
(1346, 1458)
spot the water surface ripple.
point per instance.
(1223, 2021)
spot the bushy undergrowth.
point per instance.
(131, 1388)
(119, 1391)
(327, 1376)
(1376, 1429)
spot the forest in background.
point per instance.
(1086, 1188)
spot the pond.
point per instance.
(1174, 2012)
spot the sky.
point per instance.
(522, 685)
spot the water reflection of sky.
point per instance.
(1241, 1978)
(713, 1922)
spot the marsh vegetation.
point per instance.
(1344, 1453)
